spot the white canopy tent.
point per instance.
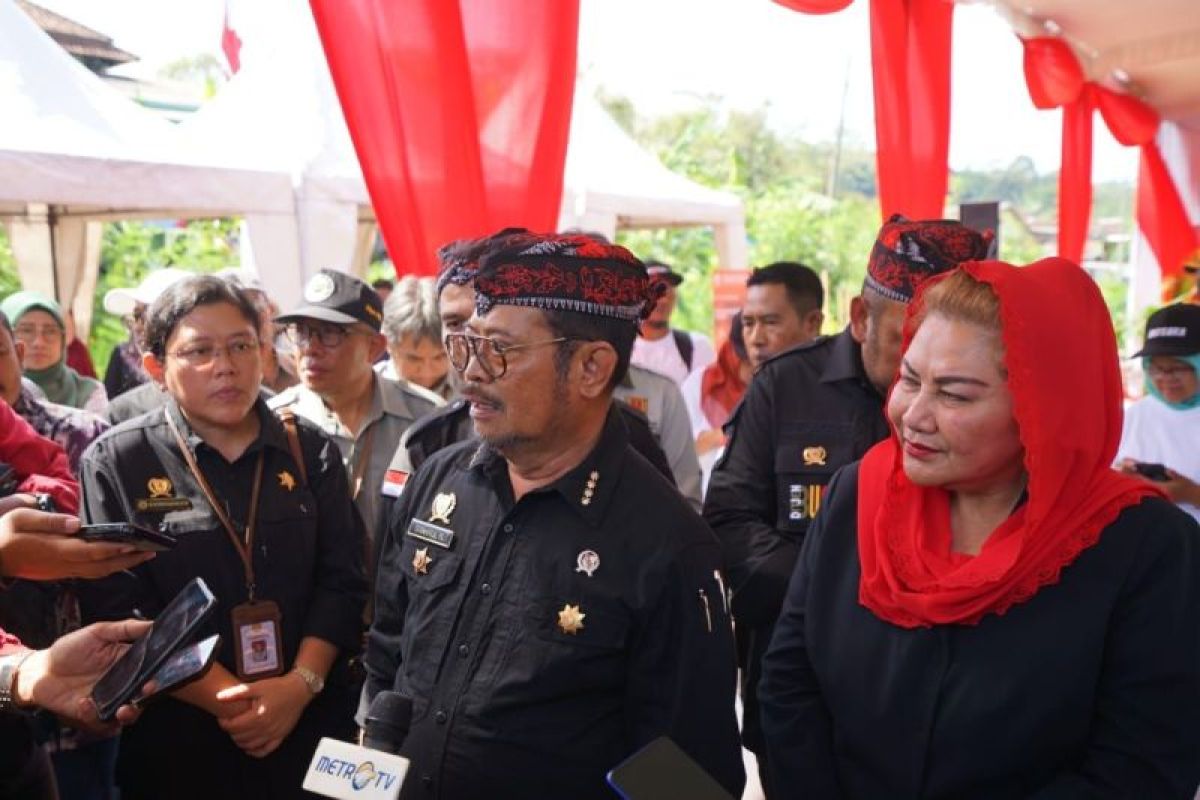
(611, 183)
(281, 113)
(73, 152)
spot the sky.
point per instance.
(671, 54)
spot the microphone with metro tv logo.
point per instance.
(372, 771)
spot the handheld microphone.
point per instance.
(388, 720)
(371, 772)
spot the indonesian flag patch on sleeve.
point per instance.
(393, 482)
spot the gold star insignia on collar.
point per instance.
(570, 619)
(421, 561)
(286, 480)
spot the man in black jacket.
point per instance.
(547, 599)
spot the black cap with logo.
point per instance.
(658, 271)
(336, 297)
(1172, 331)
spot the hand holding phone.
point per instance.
(1155, 472)
(40, 546)
(171, 630)
(142, 538)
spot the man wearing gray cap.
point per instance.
(336, 333)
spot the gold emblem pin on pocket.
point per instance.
(814, 456)
(443, 507)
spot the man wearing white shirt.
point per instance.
(666, 350)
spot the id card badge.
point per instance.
(258, 640)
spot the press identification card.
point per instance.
(257, 640)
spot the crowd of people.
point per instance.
(929, 555)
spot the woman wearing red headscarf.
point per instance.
(983, 607)
(713, 393)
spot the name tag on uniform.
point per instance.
(428, 532)
(161, 505)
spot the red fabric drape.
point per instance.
(910, 65)
(1075, 178)
(814, 6)
(910, 62)
(459, 112)
(1054, 78)
(1161, 215)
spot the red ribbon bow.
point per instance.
(1055, 79)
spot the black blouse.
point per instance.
(1089, 689)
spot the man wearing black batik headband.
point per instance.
(546, 597)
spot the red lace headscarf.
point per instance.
(1061, 357)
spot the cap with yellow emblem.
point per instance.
(331, 296)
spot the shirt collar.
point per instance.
(390, 397)
(590, 486)
(845, 360)
(270, 429)
(387, 397)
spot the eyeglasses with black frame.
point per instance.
(491, 355)
(329, 334)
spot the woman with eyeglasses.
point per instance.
(38, 325)
(1161, 438)
(262, 513)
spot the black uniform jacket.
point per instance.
(1090, 689)
(451, 424)
(545, 640)
(809, 411)
(308, 558)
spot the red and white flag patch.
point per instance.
(393, 482)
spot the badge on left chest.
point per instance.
(443, 506)
(162, 498)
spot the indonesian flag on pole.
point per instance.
(231, 44)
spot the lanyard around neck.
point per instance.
(245, 549)
(362, 463)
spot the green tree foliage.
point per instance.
(1036, 194)
(129, 250)
(798, 210)
(9, 280)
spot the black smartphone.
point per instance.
(171, 629)
(1155, 472)
(128, 533)
(662, 771)
(187, 665)
(8, 480)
